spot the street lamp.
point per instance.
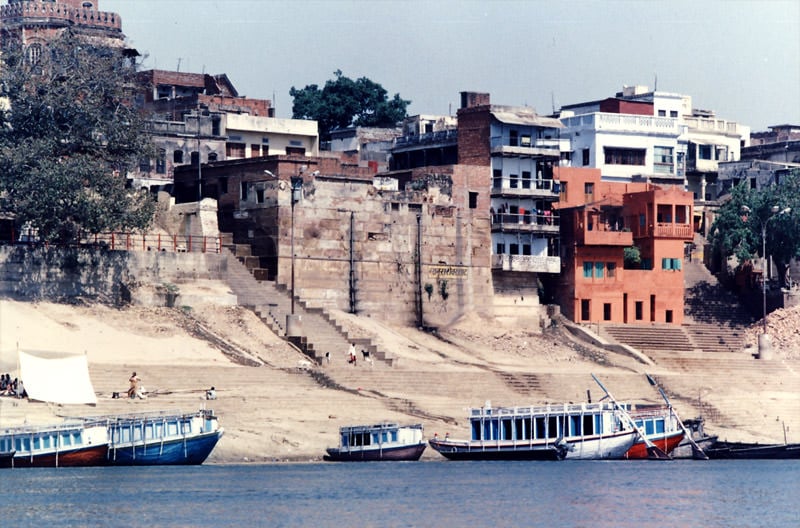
(763, 342)
(297, 189)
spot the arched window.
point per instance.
(34, 53)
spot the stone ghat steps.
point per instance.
(650, 337)
(716, 338)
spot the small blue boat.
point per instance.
(159, 439)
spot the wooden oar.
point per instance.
(653, 451)
(697, 451)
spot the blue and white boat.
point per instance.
(586, 431)
(162, 438)
(383, 441)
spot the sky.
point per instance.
(738, 58)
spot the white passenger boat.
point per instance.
(586, 431)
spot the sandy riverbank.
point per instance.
(271, 409)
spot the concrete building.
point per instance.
(372, 145)
(599, 220)
(202, 118)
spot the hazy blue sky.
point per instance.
(738, 58)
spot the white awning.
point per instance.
(56, 377)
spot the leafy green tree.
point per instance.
(68, 134)
(345, 102)
(740, 223)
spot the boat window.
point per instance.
(394, 436)
(575, 426)
(649, 427)
(587, 424)
(598, 424)
(540, 428)
(552, 427)
(345, 440)
(66, 440)
(519, 429)
(46, 442)
(376, 438)
(660, 428)
(37, 443)
(507, 429)
(476, 430)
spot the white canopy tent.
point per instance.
(56, 377)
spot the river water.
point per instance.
(418, 494)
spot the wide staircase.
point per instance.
(320, 334)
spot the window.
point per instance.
(563, 190)
(662, 113)
(215, 128)
(525, 140)
(598, 270)
(501, 248)
(588, 188)
(297, 151)
(497, 179)
(673, 113)
(639, 310)
(34, 53)
(585, 157)
(663, 160)
(526, 179)
(611, 269)
(513, 138)
(624, 156)
(144, 165)
(177, 156)
(243, 191)
(606, 311)
(234, 150)
(473, 200)
(255, 151)
(669, 316)
(704, 152)
(671, 264)
(587, 270)
(513, 181)
(161, 162)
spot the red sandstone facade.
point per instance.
(598, 221)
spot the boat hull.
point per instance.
(190, 451)
(468, 451)
(666, 442)
(82, 457)
(401, 453)
(724, 450)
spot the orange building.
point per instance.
(598, 221)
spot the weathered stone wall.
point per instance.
(382, 257)
(39, 273)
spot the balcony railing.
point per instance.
(665, 230)
(526, 222)
(527, 263)
(507, 186)
(624, 123)
(605, 237)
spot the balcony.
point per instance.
(665, 230)
(536, 149)
(704, 124)
(604, 237)
(628, 123)
(528, 188)
(527, 263)
(526, 223)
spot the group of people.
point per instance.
(9, 387)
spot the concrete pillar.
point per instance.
(764, 346)
(294, 325)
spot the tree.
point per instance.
(343, 102)
(68, 134)
(740, 223)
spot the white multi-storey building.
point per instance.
(655, 136)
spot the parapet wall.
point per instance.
(39, 273)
